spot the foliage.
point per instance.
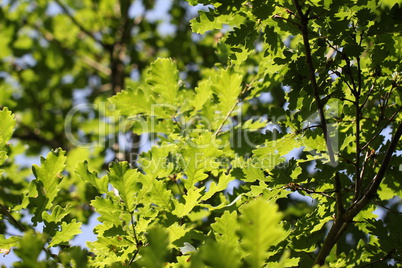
(301, 97)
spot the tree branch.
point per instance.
(338, 196)
(341, 223)
(373, 187)
(369, 93)
(304, 29)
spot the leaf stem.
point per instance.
(137, 242)
(247, 87)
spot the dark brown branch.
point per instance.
(295, 187)
(286, 19)
(304, 29)
(307, 128)
(118, 52)
(365, 163)
(373, 187)
(338, 196)
(341, 223)
(358, 179)
(86, 59)
(335, 232)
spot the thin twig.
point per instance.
(366, 158)
(372, 188)
(345, 99)
(78, 24)
(386, 208)
(358, 179)
(137, 242)
(386, 257)
(286, 19)
(307, 128)
(369, 93)
(382, 128)
(4, 211)
(96, 65)
(247, 87)
(348, 65)
(296, 186)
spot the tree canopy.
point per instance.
(192, 130)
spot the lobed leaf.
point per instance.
(260, 229)
(67, 232)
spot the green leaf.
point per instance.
(223, 183)
(58, 213)
(81, 169)
(132, 102)
(220, 255)
(157, 164)
(6, 131)
(271, 154)
(160, 195)
(202, 94)
(191, 198)
(207, 21)
(260, 229)
(67, 232)
(225, 228)
(154, 254)
(109, 210)
(253, 173)
(227, 87)
(7, 126)
(7, 243)
(125, 180)
(30, 246)
(164, 80)
(199, 154)
(177, 231)
(48, 177)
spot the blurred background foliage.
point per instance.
(55, 55)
